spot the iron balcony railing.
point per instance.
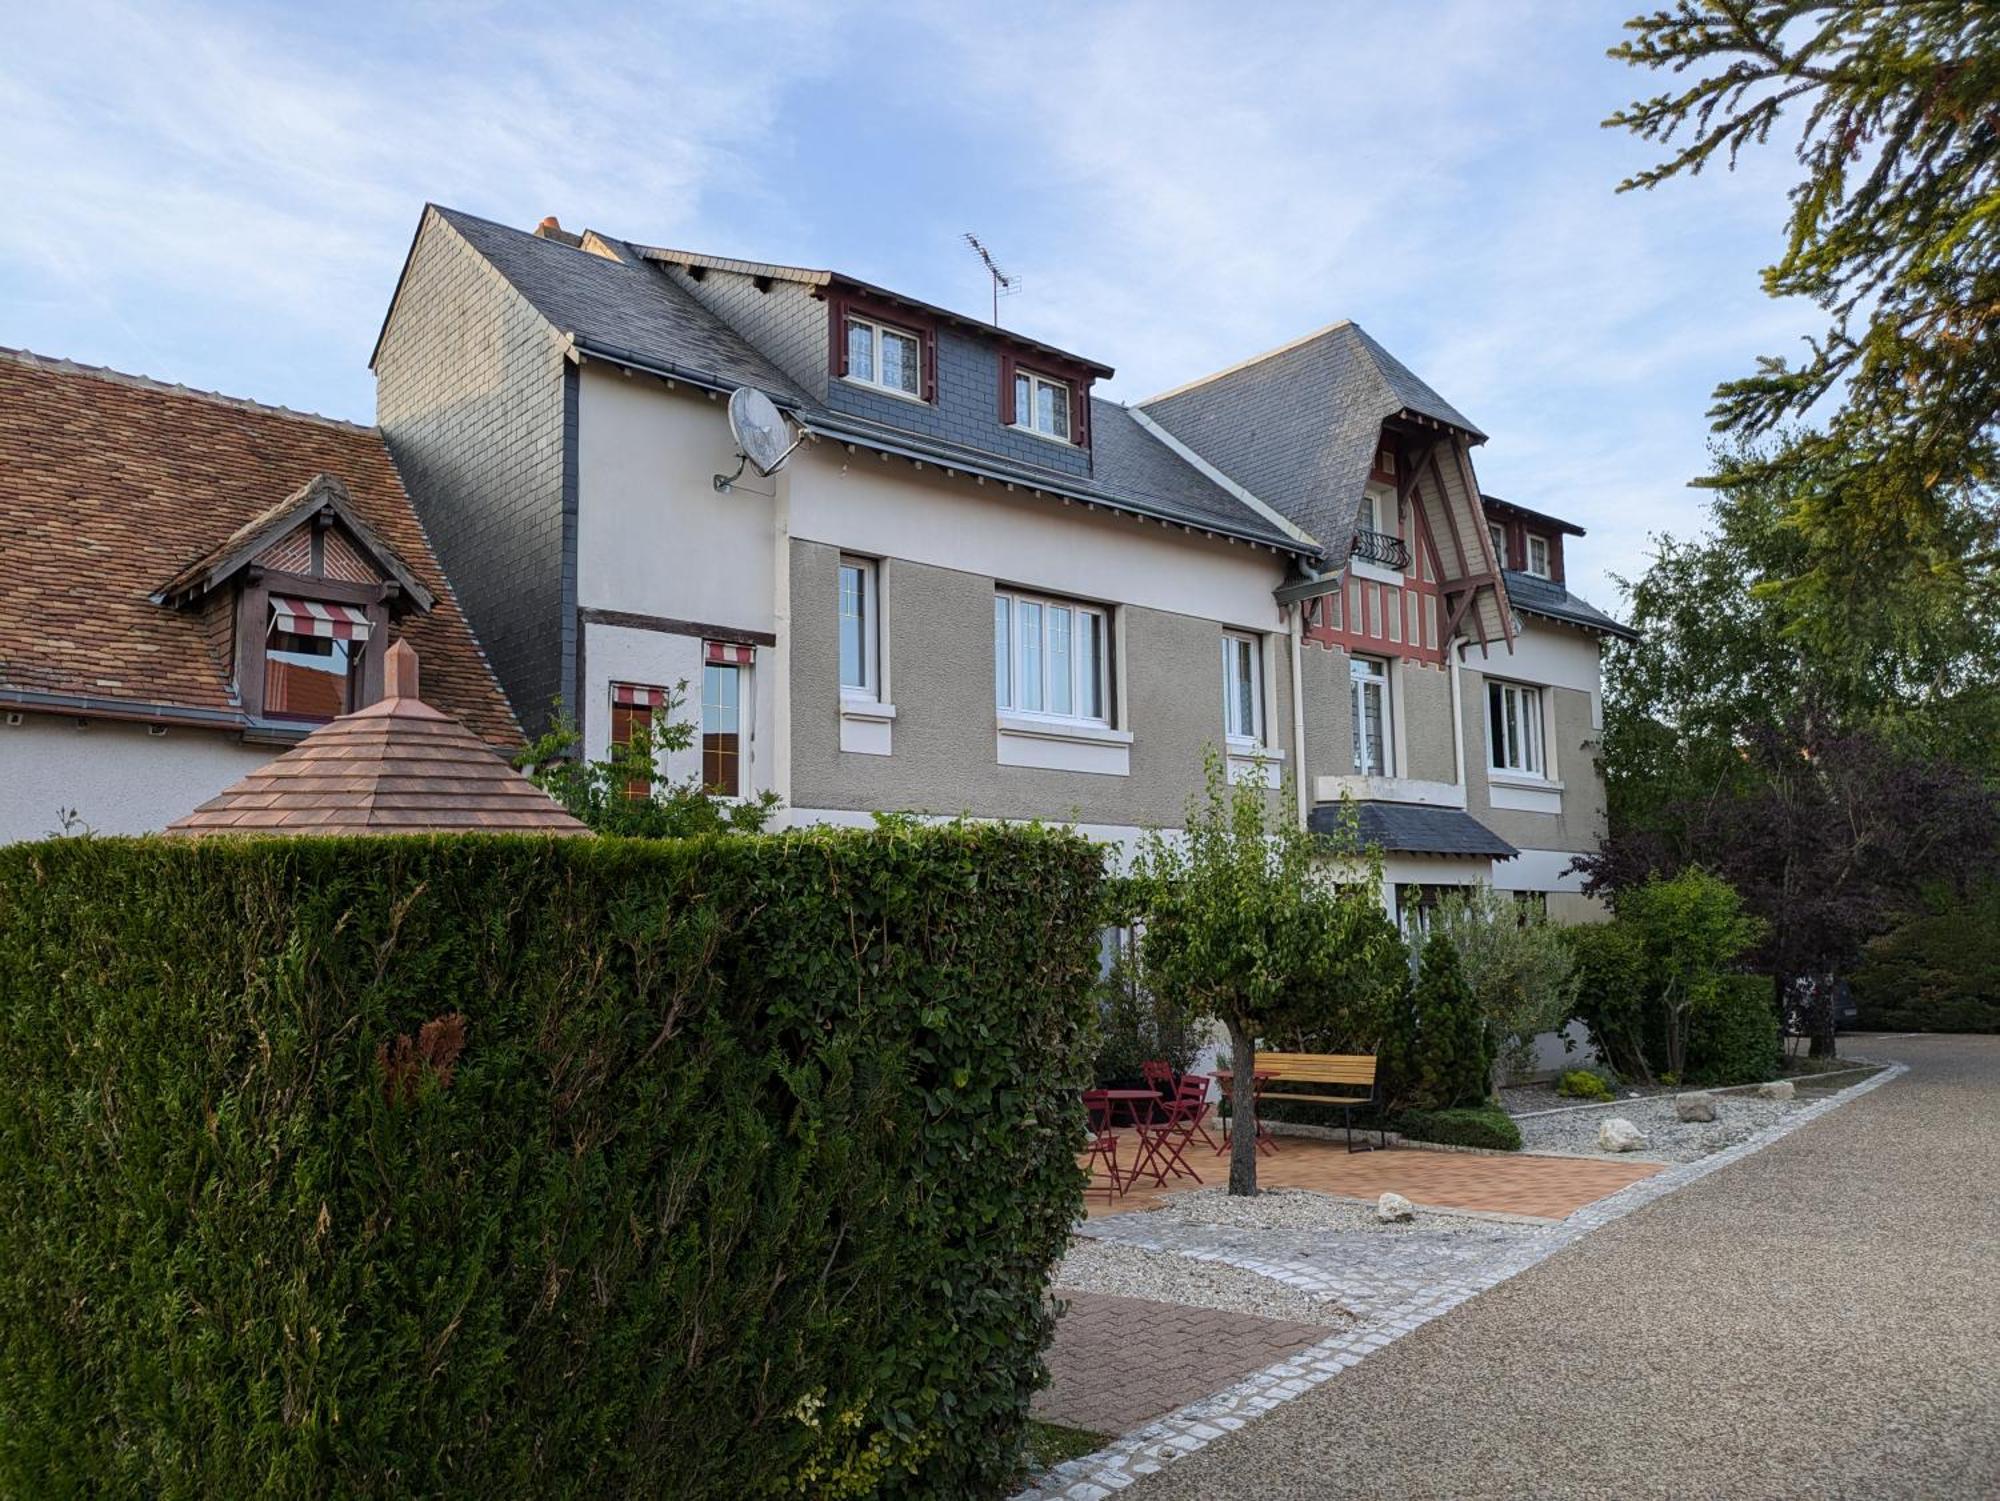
(1380, 548)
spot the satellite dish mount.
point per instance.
(760, 430)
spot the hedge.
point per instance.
(1938, 970)
(1734, 1037)
(1466, 1126)
(500, 1167)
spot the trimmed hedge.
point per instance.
(1734, 1038)
(1468, 1126)
(501, 1167)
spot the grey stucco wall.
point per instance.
(470, 389)
(1329, 712)
(1426, 705)
(1423, 698)
(940, 624)
(1582, 822)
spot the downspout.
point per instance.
(1298, 611)
(1457, 727)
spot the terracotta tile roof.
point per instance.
(110, 484)
(395, 767)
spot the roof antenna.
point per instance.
(1003, 284)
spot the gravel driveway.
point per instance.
(1820, 1319)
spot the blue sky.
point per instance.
(222, 195)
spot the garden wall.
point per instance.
(501, 1167)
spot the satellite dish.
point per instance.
(761, 431)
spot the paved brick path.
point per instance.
(1120, 1362)
(1547, 1187)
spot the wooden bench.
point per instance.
(1350, 1075)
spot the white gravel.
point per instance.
(1298, 1209)
(1738, 1117)
(1092, 1266)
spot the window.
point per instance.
(1369, 677)
(1499, 535)
(1514, 728)
(1050, 657)
(1538, 556)
(632, 706)
(1242, 688)
(309, 678)
(722, 685)
(890, 359)
(860, 630)
(1041, 405)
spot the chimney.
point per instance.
(399, 672)
(551, 229)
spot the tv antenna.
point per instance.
(1003, 284)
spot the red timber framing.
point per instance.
(1403, 620)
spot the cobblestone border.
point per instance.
(1150, 1449)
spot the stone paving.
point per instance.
(1395, 1286)
(1120, 1362)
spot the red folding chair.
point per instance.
(1103, 1145)
(1163, 1143)
(1160, 1078)
(1266, 1141)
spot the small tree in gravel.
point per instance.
(1521, 974)
(1247, 924)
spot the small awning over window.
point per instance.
(315, 617)
(728, 654)
(637, 696)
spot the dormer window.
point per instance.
(1538, 556)
(1042, 405)
(312, 659)
(889, 359)
(1499, 535)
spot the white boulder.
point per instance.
(1393, 1208)
(1697, 1106)
(1777, 1089)
(1619, 1135)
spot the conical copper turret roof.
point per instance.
(395, 767)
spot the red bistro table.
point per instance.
(1132, 1099)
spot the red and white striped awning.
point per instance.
(637, 696)
(314, 617)
(730, 654)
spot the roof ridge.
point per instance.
(56, 364)
(1256, 359)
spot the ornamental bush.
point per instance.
(1734, 1039)
(502, 1167)
(1469, 1126)
(1938, 970)
(1582, 1084)
(1435, 1054)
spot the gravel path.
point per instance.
(1821, 1318)
(1093, 1266)
(1668, 1139)
(1298, 1209)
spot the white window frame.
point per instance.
(1538, 556)
(1358, 680)
(1025, 421)
(1523, 750)
(746, 699)
(869, 689)
(1233, 644)
(873, 380)
(1010, 673)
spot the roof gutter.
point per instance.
(87, 706)
(827, 426)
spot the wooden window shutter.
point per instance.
(927, 340)
(1006, 389)
(836, 339)
(1079, 426)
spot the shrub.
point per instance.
(1734, 1037)
(483, 1166)
(1611, 991)
(1435, 1056)
(1938, 970)
(1135, 1026)
(1471, 1126)
(1520, 971)
(1582, 1084)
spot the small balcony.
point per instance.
(1380, 549)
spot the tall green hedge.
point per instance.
(1939, 969)
(505, 1167)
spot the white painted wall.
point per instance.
(617, 654)
(1552, 655)
(118, 778)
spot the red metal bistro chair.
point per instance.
(1159, 1077)
(1103, 1145)
(1163, 1143)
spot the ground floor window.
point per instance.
(1416, 902)
(632, 708)
(725, 679)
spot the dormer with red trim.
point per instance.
(1529, 542)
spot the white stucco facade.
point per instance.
(119, 778)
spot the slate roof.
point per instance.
(633, 312)
(1298, 427)
(111, 484)
(1545, 597)
(1416, 829)
(395, 767)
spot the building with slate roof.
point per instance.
(979, 586)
